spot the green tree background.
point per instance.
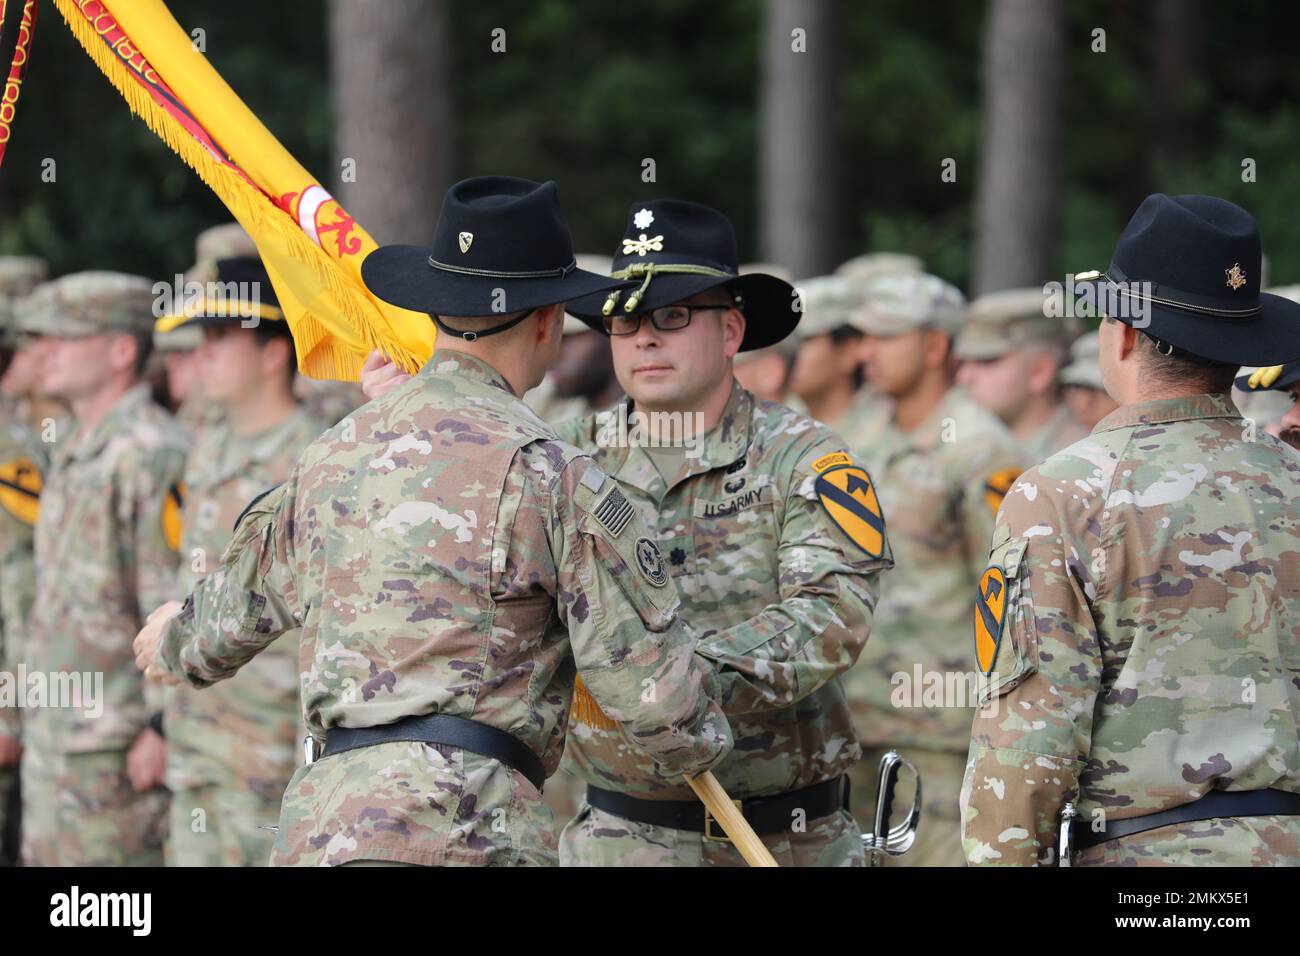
(588, 89)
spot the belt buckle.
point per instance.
(721, 835)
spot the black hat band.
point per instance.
(1122, 287)
(502, 274)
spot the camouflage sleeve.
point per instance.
(832, 549)
(633, 652)
(1036, 643)
(245, 604)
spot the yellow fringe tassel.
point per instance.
(317, 356)
(585, 710)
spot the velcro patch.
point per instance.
(614, 512)
(990, 612)
(997, 485)
(847, 494)
(173, 504)
(20, 489)
(651, 562)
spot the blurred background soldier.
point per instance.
(1081, 386)
(827, 369)
(1286, 385)
(1011, 353)
(23, 458)
(942, 464)
(231, 750)
(106, 540)
(765, 373)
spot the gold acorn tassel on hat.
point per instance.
(585, 710)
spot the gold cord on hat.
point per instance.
(649, 270)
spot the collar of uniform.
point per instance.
(723, 445)
(446, 360)
(119, 418)
(1161, 410)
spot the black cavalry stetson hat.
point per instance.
(501, 246)
(240, 291)
(673, 249)
(1282, 378)
(1189, 267)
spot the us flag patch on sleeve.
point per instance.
(614, 512)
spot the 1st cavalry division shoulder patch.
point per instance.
(996, 487)
(846, 492)
(20, 489)
(990, 611)
(173, 505)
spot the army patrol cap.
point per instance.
(900, 302)
(879, 263)
(88, 303)
(227, 241)
(1001, 322)
(1084, 369)
(828, 302)
(19, 275)
(183, 338)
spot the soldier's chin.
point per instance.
(1292, 437)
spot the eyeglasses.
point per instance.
(666, 318)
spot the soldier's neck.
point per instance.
(90, 410)
(260, 412)
(1034, 414)
(913, 408)
(829, 406)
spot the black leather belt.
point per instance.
(1216, 803)
(443, 729)
(765, 814)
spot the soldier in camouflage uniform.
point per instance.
(1138, 616)
(827, 372)
(231, 750)
(943, 464)
(1081, 386)
(452, 565)
(105, 556)
(1012, 350)
(779, 583)
(22, 462)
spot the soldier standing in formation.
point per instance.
(23, 460)
(231, 750)
(1137, 617)
(106, 541)
(943, 464)
(1011, 351)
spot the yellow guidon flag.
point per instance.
(311, 247)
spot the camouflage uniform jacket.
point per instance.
(1147, 646)
(443, 552)
(105, 560)
(23, 462)
(244, 731)
(780, 597)
(940, 484)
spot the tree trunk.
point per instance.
(798, 202)
(1018, 191)
(390, 72)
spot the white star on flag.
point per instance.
(643, 219)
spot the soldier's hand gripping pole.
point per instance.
(725, 810)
